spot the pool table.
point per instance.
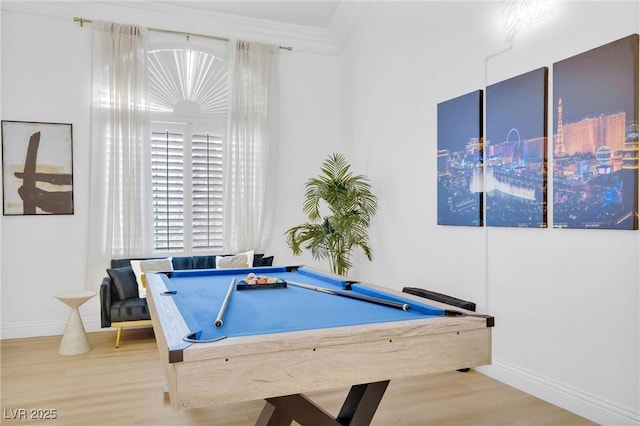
(310, 333)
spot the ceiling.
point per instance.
(308, 13)
(318, 26)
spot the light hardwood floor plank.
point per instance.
(109, 386)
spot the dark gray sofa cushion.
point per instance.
(124, 280)
(204, 262)
(265, 261)
(184, 262)
(120, 263)
(129, 310)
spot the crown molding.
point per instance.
(179, 18)
(345, 20)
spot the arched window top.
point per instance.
(187, 81)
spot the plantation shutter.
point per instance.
(206, 180)
(167, 165)
(188, 92)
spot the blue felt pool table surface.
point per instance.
(279, 343)
(199, 295)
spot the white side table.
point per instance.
(74, 340)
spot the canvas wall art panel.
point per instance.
(460, 160)
(516, 151)
(595, 143)
(37, 167)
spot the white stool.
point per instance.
(74, 340)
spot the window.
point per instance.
(187, 171)
(188, 98)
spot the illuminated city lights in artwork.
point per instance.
(460, 160)
(515, 178)
(595, 146)
(494, 171)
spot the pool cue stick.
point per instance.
(225, 302)
(351, 295)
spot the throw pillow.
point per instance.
(124, 280)
(266, 261)
(152, 265)
(240, 260)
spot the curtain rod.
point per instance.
(160, 30)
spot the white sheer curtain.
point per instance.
(251, 145)
(120, 214)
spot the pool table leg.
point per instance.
(358, 409)
(284, 409)
(272, 416)
(361, 404)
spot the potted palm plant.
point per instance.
(349, 205)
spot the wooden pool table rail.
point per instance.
(265, 366)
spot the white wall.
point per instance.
(46, 63)
(309, 131)
(566, 302)
(45, 77)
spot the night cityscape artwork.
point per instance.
(460, 160)
(595, 144)
(515, 148)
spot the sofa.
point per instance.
(121, 302)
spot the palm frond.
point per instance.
(351, 205)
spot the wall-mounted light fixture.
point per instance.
(518, 14)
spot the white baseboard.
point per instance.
(583, 404)
(44, 328)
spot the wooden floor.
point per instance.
(109, 386)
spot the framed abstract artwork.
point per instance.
(595, 143)
(37, 167)
(515, 150)
(460, 160)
